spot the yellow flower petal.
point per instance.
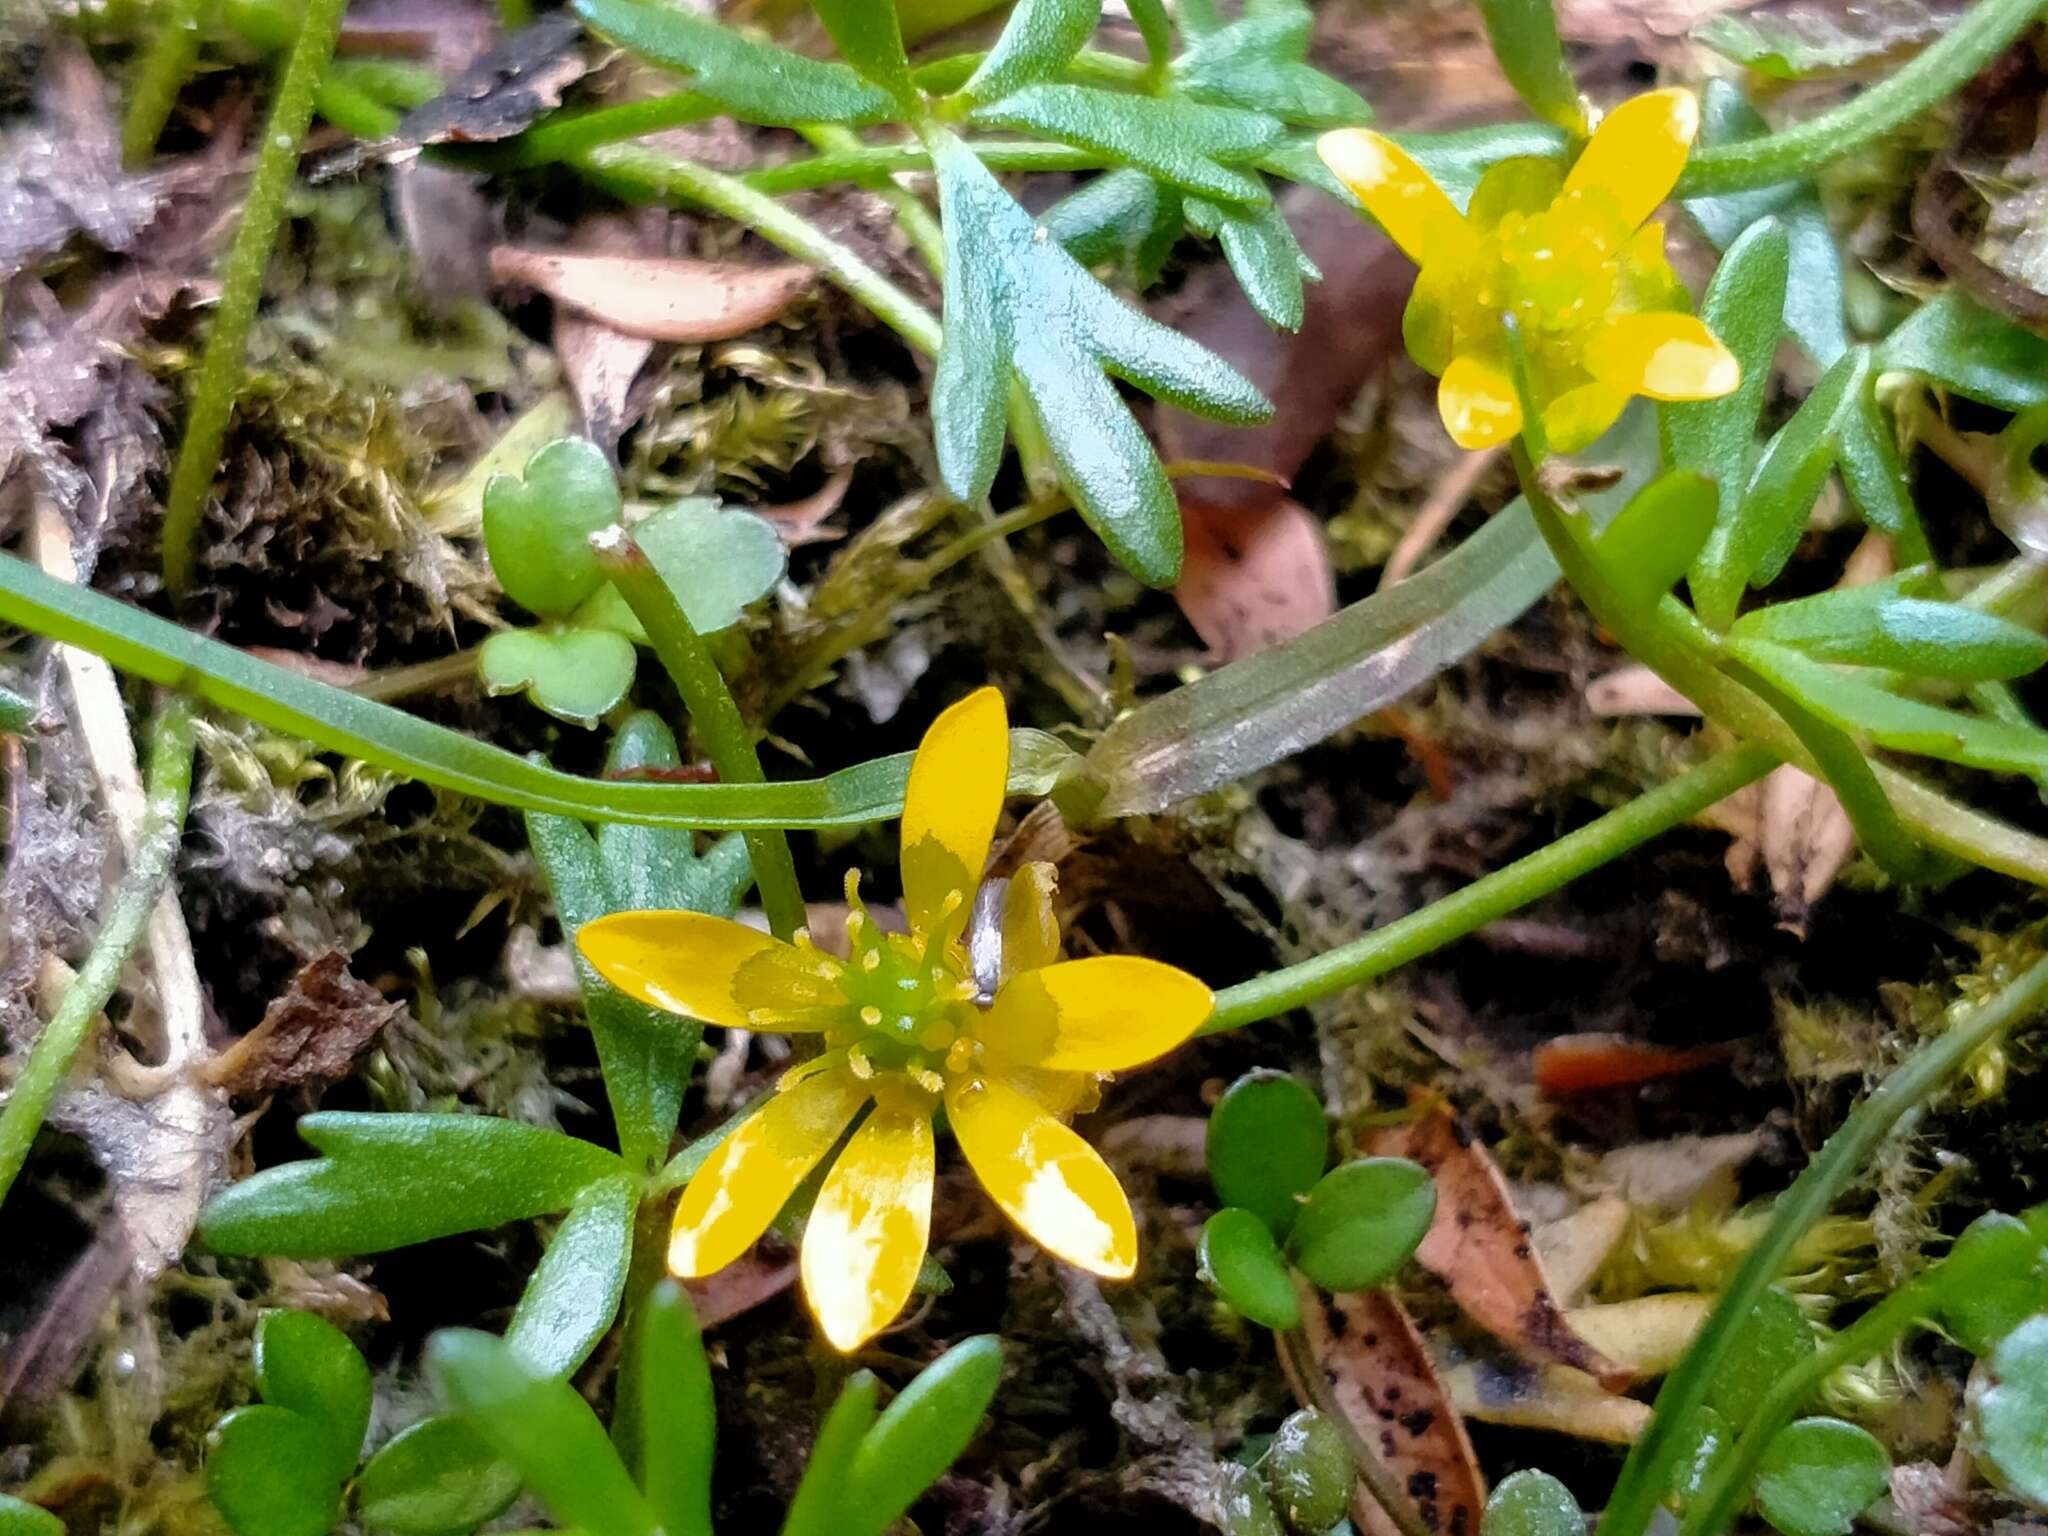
(689, 963)
(1578, 416)
(1031, 929)
(957, 782)
(1097, 1015)
(1429, 323)
(754, 1171)
(1477, 402)
(1397, 192)
(1524, 184)
(1667, 356)
(1047, 1180)
(867, 1233)
(1636, 153)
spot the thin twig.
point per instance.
(1437, 513)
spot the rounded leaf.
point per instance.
(1776, 1338)
(1309, 1472)
(435, 1478)
(537, 526)
(1268, 1145)
(1818, 1475)
(574, 674)
(270, 1474)
(1242, 1508)
(716, 560)
(20, 1518)
(2012, 1415)
(1245, 1267)
(1994, 1279)
(1363, 1222)
(1532, 1503)
(306, 1364)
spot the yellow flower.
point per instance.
(911, 1023)
(1568, 256)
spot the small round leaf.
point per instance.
(1309, 1472)
(1532, 1503)
(1242, 1507)
(18, 1517)
(1994, 1279)
(1818, 1475)
(537, 527)
(1267, 1146)
(573, 674)
(1244, 1265)
(306, 1364)
(1776, 1338)
(715, 559)
(1363, 1222)
(2012, 1415)
(271, 1474)
(435, 1478)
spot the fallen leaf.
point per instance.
(662, 298)
(1548, 1397)
(1669, 1176)
(504, 91)
(312, 1034)
(1648, 1333)
(1636, 690)
(1806, 838)
(600, 364)
(1590, 1061)
(1251, 576)
(1574, 1247)
(1481, 1249)
(1380, 1377)
(738, 1288)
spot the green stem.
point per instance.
(220, 368)
(567, 135)
(869, 161)
(659, 175)
(727, 740)
(1938, 73)
(159, 78)
(1714, 1506)
(919, 223)
(1653, 1464)
(168, 788)
(1492, 896)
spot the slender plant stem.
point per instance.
(869, 161)
(919, 223)
(167, 790)
(1652, 1465)
(161, 75)
(712, 711)
(220, 368)
(420, 676)
(570, 134)
(666, 176)
(1391, 1497)
(1492, 896)
(1939, 71)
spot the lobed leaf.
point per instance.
(537, 525)
(1267, 1145)
(1266, 259)
(1196, 147)
(385, 1181)
(435, 1478)
(1037, 42)
(920, 1435)
(1019, 307)
(573, 1294)
(1122, 219)
(2011, 1429)
(577, 675)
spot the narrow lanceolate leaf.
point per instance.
(1199, 148)
(1901, 625)
(1018, 307)
(1267, 260)
(1260, 62)
(921, 1434)
(871, 40)
(1658, 534)
(1964, 347)
(574, 1294)
(756, 82)
(388, 1180)
(1525, 40)
(1037, 41)
(1743, 306)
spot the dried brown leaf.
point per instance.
(312, 1034)
(662, 298)
(1555, 1398)
(506, 90)
(1481, 1249)
(1252, 576)
(801, 521)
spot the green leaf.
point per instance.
(1994, 1279)
(389, 1180)
(716, 560)
(1791, 40)
(678, 1418)
(1267, 260)
(1244, 1266)
(2011, 1436)
(20, 1518)
(755, 82)
(1018, 307)
(542, 1426)
(1774, 1338)
(823, 1498)
(1122, 219)
(537, 527)
(577, 675)
(435, 1478)
(1037, 41)
(1309, 1471)
(1532, 1503)
(1818, 1475)
(1744, 305)
(270, 1473)
(1888, 624)
(1267, 1145)
(1876, 714)
(308, 1365)
(1525, 40)
(1260, 63)
(1242, 1508)
(1362, 1222)
(1657, 535)
(1194, 146)
(574, 1293)
(1706, 1440)
(1813, 310)
(870, 38)
(1971, 351)
(1155, 31)
(919, 1435)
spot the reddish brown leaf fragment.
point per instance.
(311, 1034)
(1252, 576)
(657, 297)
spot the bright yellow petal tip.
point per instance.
(1101, 1014)
(1396, 191)
(1636, 153)
(1666, 355)
(866, 1237)
(1047, 1179)
(1478, 404)
(957, 783)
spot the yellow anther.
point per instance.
(871, 960)
(871, 1016)
(960, 1055)
(857, 1061)
(928, 1080)
(952, 903)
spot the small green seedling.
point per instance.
(1309, 1472)
(1532, 1503)
(578, 663)
(1818, 1475)
(865, 1471)
(1350, 1229)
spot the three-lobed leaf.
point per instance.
(434, 1478)
(1267, 1145)
(1817, 1475)
(1122, 219)
(1245, 1267)
(537, 525)
(1362, 1222)
(577, 675)
(1266, 259)
(1018, 307)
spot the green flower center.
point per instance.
(908, 1006)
